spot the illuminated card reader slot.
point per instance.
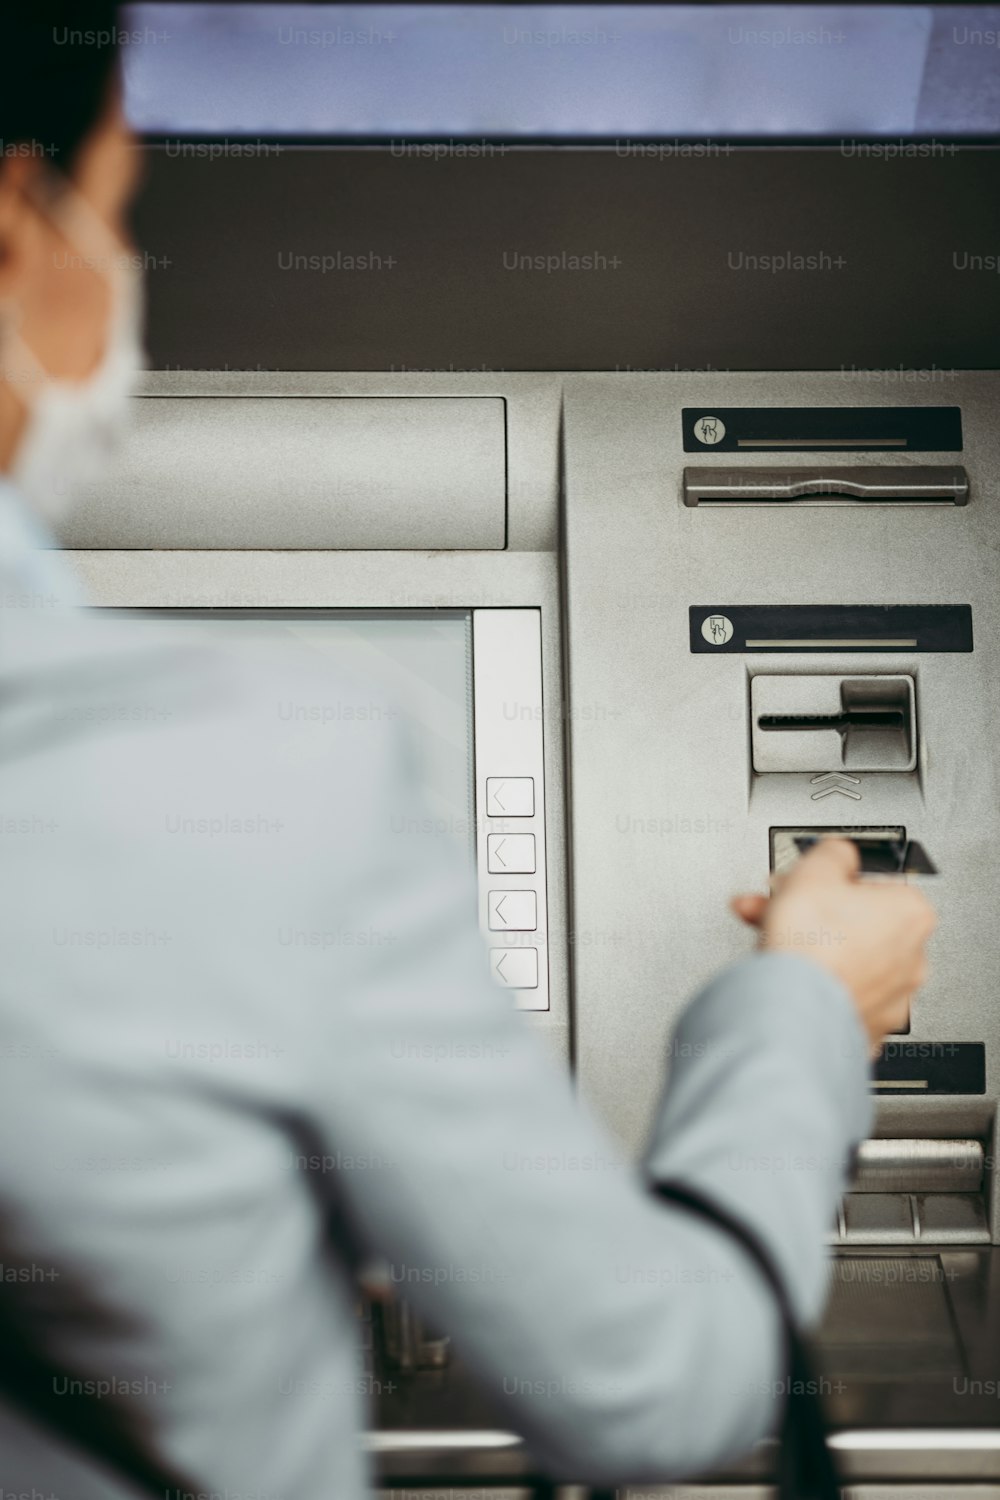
(896, 484)
(827, 723)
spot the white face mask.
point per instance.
(75, 427)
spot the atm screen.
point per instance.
(601, 72)
(421, 661)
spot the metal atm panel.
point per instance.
(661, 839)
(302, 470)
(790, 660)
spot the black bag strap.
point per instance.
(107, 1433)
(806, 1470)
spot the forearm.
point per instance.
(767, 1098)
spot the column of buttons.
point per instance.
(512, 854)
(510, 800)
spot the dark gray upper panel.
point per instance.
(663, 261)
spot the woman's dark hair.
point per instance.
(57, 63)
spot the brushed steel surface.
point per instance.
(882, 1324)
(662, 838)
(950, 1218)
(925, 1219)
(303, 471)
(879, 1219)
(253, 459)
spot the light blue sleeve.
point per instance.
(627, 1341)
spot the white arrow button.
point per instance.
(513, 911)
(510, 853)
(510, 796)
(515, 968)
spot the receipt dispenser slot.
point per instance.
(858, 484)
(828, 723)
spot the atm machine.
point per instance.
(719, 613)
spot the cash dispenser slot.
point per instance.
(898, 484)
(916, 1192)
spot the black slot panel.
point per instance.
(915, 1067)
(861, 628)
(798, 429)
